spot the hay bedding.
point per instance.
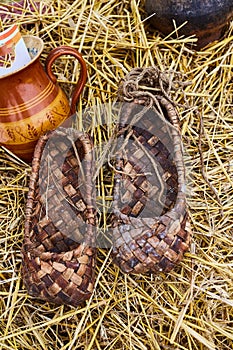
(190, 308)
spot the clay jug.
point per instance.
(205, 18)
(31, 102)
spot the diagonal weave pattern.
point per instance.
(151, 230)
(58, 249)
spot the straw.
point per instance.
(191, 307)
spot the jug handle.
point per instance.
(67, 50)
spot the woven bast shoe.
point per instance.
(59, 245)
(150, 224)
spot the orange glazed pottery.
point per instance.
(31, 102)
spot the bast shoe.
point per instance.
(59, 245)
(151, 230)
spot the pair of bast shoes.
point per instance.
(149, 225)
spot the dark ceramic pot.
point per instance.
(206, 18)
